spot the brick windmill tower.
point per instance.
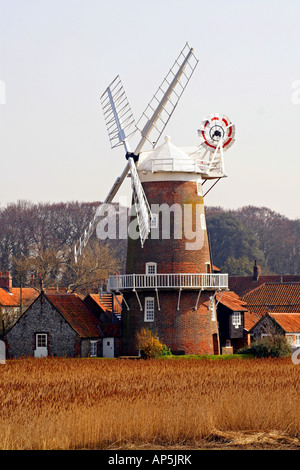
(169, 285)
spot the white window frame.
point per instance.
(199, 188)
(297, 340)
(43, 336)
(236, 319)
(151, 267)
(202, 221)
(149, 309)
(213, 308)
(290, 339)
(154, 221)
(93, 348)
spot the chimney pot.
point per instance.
(256, 271)
(6, 280)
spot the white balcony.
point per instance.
(168, 281)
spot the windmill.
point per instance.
(169, 283)
(121, 126)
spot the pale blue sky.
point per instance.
(57, 57)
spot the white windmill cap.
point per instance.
(166, 157)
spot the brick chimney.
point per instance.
(256, 271)
(6, 280)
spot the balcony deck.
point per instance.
(176, 281)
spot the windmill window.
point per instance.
(149, 309)
(199, 187)
(154, 221)
(212, 308)
(202, 221)
(151, 268)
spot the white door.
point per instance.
(108, 347)
(41, 346)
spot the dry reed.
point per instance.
(60, 403)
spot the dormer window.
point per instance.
(151, 268)
(236, 319)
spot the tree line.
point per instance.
(37, 244)
(238, 237)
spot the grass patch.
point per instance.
(212, 357)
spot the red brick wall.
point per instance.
(186, 329)
(170, 255)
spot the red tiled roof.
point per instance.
(250, 319)
(244, 284)
(289, 322)
(76, 313)
(231, 300)
(107, 302)
(284, 297)
(12, 298)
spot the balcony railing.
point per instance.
(168, 281)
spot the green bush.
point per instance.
(269, 346)
(166, 351)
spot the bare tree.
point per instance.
(93, 267)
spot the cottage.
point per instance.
(287, 324)
(13, 300)
(62, 325)
(230, 313)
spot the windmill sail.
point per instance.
(121, 126)
(158, 112)
(118, 116)
(99, 213)
(142, 207)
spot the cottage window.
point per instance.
(151, 268)
(93, 348)
(297, 339)
(41, 340)
(149, 309)
(236, 319)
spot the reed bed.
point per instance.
(60, 403)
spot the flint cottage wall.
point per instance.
(42, 317)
